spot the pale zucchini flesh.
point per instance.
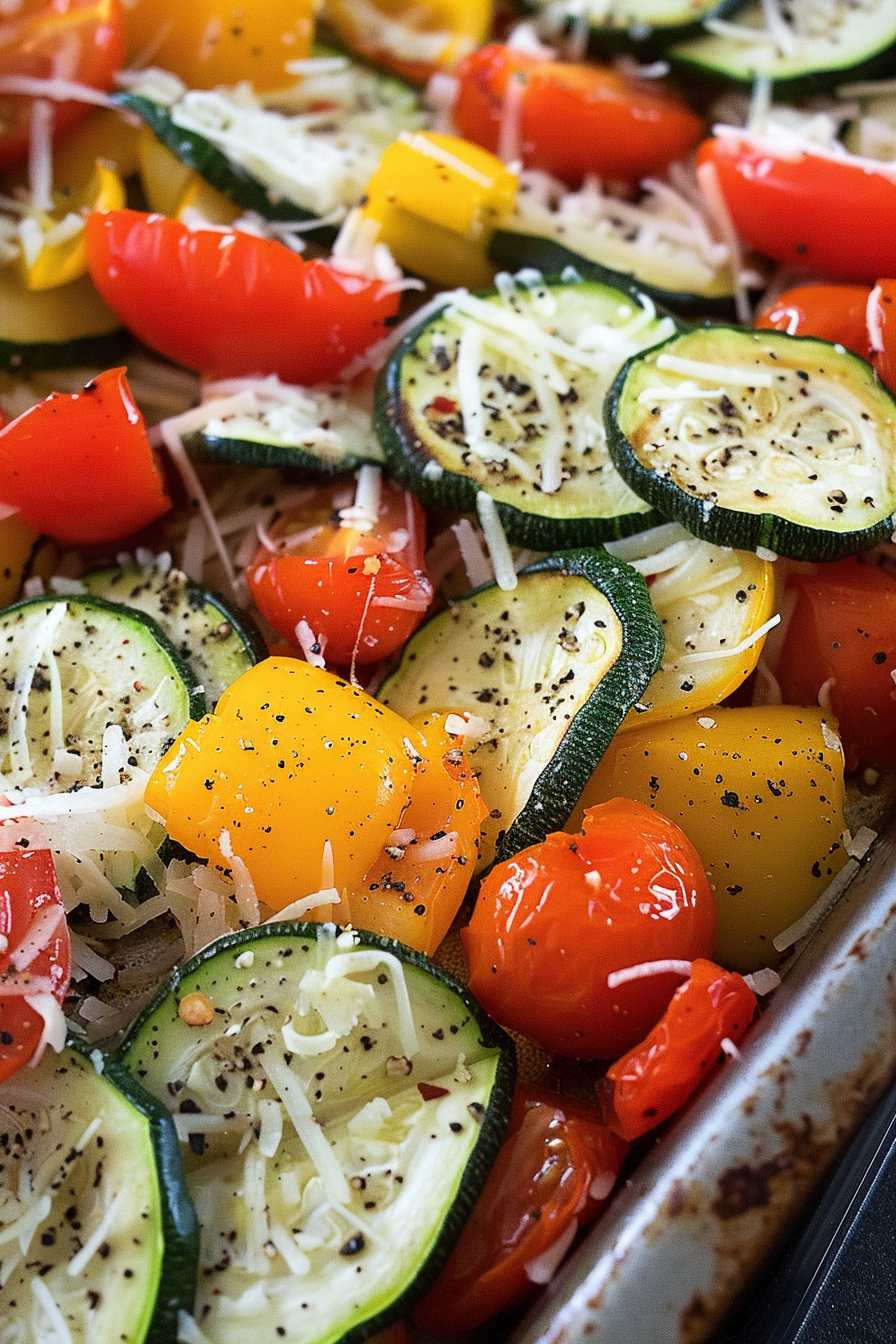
(218, 642)
(69, 668)
(338, 1116)
(811, 44)
(79, 1175)
(503, 393)
(551, 668)
(638, 20)
(759, 439)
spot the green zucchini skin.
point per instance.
(561, 780)
(160, 1264)
(193, 619)
(867, 55)
(624, 32)
(512, 250)
(180, 1228)
(95, 351)
(204, 447)
(726, 526)
(212, 970)
(408, 458)
(227, 177)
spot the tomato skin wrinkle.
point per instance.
(655, 1079)
(538, 1191)
(630, 890)
(233, 305)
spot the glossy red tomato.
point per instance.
(36, 951)
(78, 40)
(841, 646)
(555, 1170)
(571, 119)
(881, 315)
(361, 593)
(231, 304)
(555, 921)
(657, 1077)
(836, 313)
(79, 466)
(830, 215)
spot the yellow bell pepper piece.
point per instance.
(304, 778)
(62, 256)
(415, 888)
(437, 200)
(413, 38)
(105, 135)
(759, 793)
(69, 312)
(163, 177)
(711, 603)
(203, 199)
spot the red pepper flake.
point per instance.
(429, 1092)
(443, 406)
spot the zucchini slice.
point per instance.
(311, 156)
(686, 273)
(504, 392)
(218, 642)
(340, 1101)
(552, 668)
(100, 1239)
(803, 51)
(70, 667)
(759, 439)
(313, 429)
(56, 328)
(617, 24)
(714, 604)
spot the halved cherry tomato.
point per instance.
(231, 304)
(831, 312)
(554, 1172)
(555, 921)
(210, 42)
(830, 215)
(841, 644)
(657, 1077)
(881, 318)
(78, 40)
(361, 590)
(572, 120)
(79, 466)
(36, 951)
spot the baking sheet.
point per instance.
(708, 1205)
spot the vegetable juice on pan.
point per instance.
(448, 483)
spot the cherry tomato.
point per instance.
(881, 317)
(841, 644)
(833, 216)
(79, 40)
(79, 466)
(232, 304)
(573, 119)
(834, 313)
(31, 916)
(210, 42)
(555, 1170)
(657, 1077)
(362, 593)
(555, 921)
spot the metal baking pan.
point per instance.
(718, 1194)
